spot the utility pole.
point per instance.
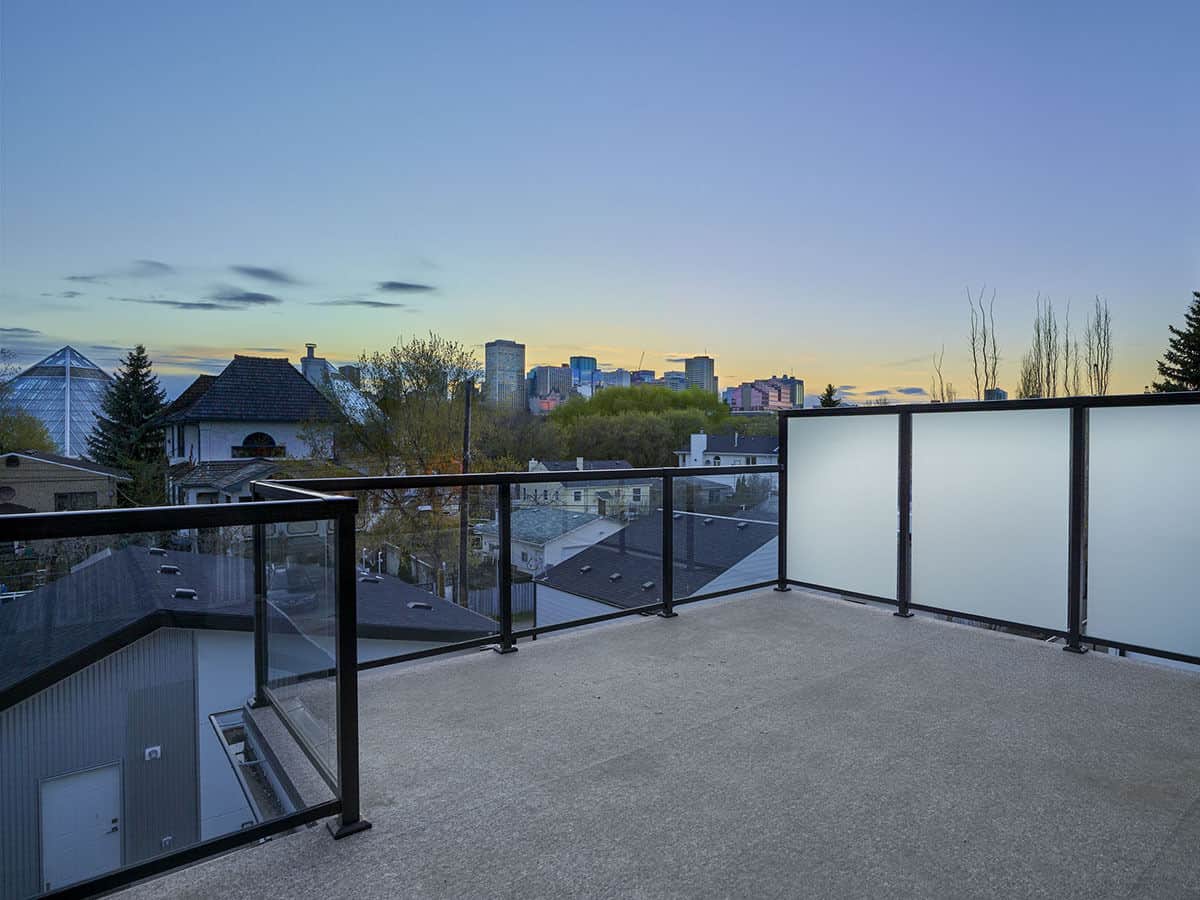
(463, 494)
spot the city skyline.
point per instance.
(818, 203)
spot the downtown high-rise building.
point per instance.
(584, 371)
(701, 373)
(504, 373)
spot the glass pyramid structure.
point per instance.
(65, 390)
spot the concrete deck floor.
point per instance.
(766, 745)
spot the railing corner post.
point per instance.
(781, 575)
(350, 819)
(261, 664)
(668, 546)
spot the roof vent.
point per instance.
(647, 585)
(583, 570)
(157, 551)
(615, 576)
(370, 579)
(708, 521)
(168, 570)
(419, 604)
(184, 594)
(742, 525)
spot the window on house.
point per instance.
(70, 500)
(578, 496)
(524, 556)
(258, 444)
(206, 497)
(637, 495)
(545, 493)
(716, 460)
(752, 460)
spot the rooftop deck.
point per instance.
(762, 745)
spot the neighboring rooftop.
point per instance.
(255, 389)
(85, 465)
(738, 443)
(768, 745)
(68, 623)
(540, 524)
(705, 548)
(586, 465)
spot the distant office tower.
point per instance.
(700, 372)
(549, 380)
(995, 394)
(583, 371)
(676, 381)
(615, 378)
(504, 373)
(641, 376)
(774, 393)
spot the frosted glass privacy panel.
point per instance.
(990, 513)
(1143, 528)
(841, 502)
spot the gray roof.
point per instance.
(85, 464)
(702, 552)
(257, 388)
(750, 444)
(71, 622)
(223, 474)
(540, 524)
(570, 465)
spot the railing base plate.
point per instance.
(340, 831)
(903, 615)
(1077, 649)
(667, 615)
(504, 649)
(781, 590)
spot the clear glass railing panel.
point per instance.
(1143, 540)
(585, 548)
(841, 483)
(126, 664)
(301, 615)
(990, 514)
(725, 531)
(425, 578)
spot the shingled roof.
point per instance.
(705, 547)
(61, 627)
(191, 394)
(259, 389)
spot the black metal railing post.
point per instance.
(781, 579)
(350, 819)
(1077, 539)
(504, 579)
(260, 616)
(904, 517)
(668, 546)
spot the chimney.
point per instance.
(579, 463)
(311, 348)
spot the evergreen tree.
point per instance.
(1180, 364)
(127, 435)
(829, 396)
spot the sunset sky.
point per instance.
(808, 188)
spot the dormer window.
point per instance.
(258, 444)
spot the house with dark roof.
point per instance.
(544, 536)
(224, 430)
(624, 570)
(731, 449)
(618, 499)
(32, 481)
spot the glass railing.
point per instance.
(1068, 517)
(160, 699)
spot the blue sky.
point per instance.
(809, 188)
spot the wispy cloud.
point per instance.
(847, 388)
(404, 287)
(236, 297)
(878, 392)
(139, 268)
(263, 273)
(86, 279)
(19, 332)
(370, 304)
(268, 349)
(912, 391)
(179, 304)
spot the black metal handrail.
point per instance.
(291, 505)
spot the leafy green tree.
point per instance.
(643, 398)
(829, 396)
(1180, 363)
(127, 433)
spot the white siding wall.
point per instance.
(216, 438)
